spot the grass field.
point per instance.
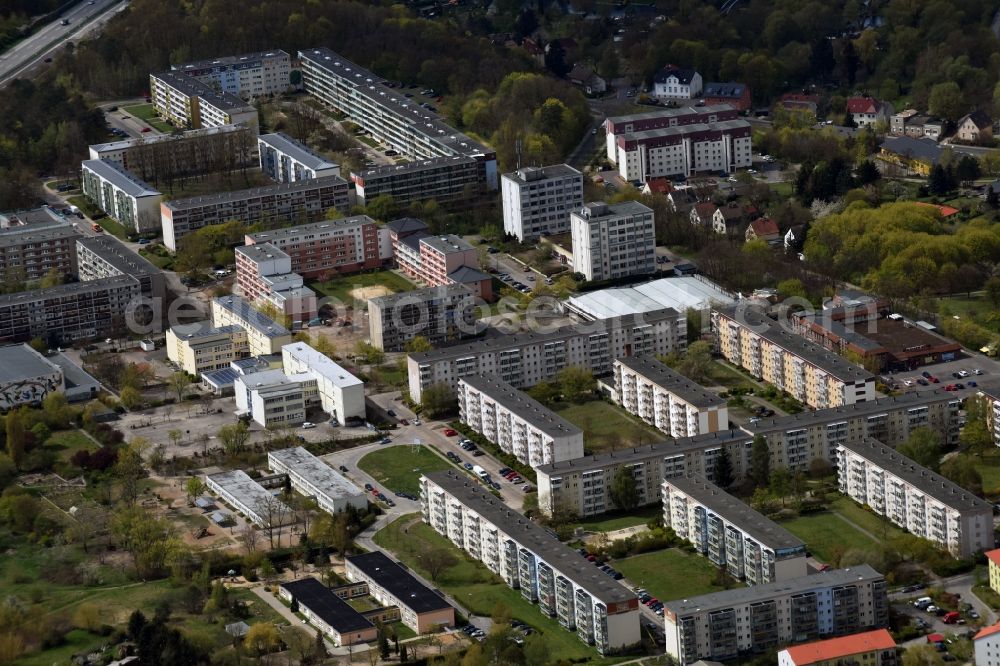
(216, 182)
(975, 307)
(726, 375)
(341, 288)
(67, 442)
(670, 574)
(826, 534)
(147, 113)
(866, 520)
(399, 467)
(477, 588)
(639, 516)
(607, 427)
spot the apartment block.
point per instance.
(809, 373)
(130, 201)
(538, 200)
(679, 142)
(993, 567)
(920, 501)
(263, 275)
(439, 314)
(762, 618)
(264, 335)
(327, 248)
(990, 394)
(449, 181)
(152, 157)
(528, 558)
(34, 243)
(70, 312)
(251, 499)
(516, 422)
(613, 240)
(247, 76)
(437, 260)
(307, 200)
(273, 399)
(666, 399)
(869, 648)
(190, 104)
(798, 439)
(341, 394)
(104, 256)
(285, 160)
(525, 359)
(582, 487)
(27, 377)
(388, 115)
(200, 347)
(421, 609)
(748, 545)
(313, 478)
(987, 646)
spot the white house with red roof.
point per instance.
(763, 228)
(866, 111)
(987, 645)
(870, 647)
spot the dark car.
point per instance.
(343, 468)
(922, 381)
(368, 487)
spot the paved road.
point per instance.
(25, 57)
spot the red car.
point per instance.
(932, 379)
(448, 432)
(145, 129)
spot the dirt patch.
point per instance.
(374, 291)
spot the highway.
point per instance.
(28, 55)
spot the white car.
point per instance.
(907, 382)
(963, 373)
(307, 425)
(977, 371)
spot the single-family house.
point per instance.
(586, 78)
(674, 82)
(682, 200)
(736, 95)
(702, 214)
(866, 111)
(974, 127)
(763, 228)
(728, 220)
(795, 237)
(660, 185)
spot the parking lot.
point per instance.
(977, 369)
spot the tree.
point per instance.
(436, 561)
(383, 641)
(273, 512)
(16, 436)
(923, 447)
(962, 471)
(760, 462)
(576, 382)
(419, 344)
(131, 398)
(179, 383)
(967, 169)
(193, 488)
(382, 207)
(781, 483)
(938, 182)
(369, 353)
(234, 437)
(992, 287)
(946, 101)
(867, 173)
(299, 643)
(544, 392)
(697, 361)
(319, 651)
(136, 623)
(128, 469)
(249, 538)
(438, 400)
(724, 469)
(38, 344)
(922, 655)
(262, 638)
(624, 492)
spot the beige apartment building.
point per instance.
(264, 335)
(200, 347)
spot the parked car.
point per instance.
(307, 425)
(391, 413)
(448, 432)
(343, 468)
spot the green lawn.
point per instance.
(161, 262)
(77, 641)
(783, 190)
(670, 574)
(826, 534)
(68, 442)
(399, 467)
(975, 307)
(606, 427)
(90, 210)
(147, 113)
(477, 588)
(866, 520)
(213, 183)
(723, 374)
(342, 288)
(639, 516)
(84, 204)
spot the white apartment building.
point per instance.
(121, 195)
(285, 160)
(439, 314)
(264, 335)
(456, 179)
(313, 478)
(666, 399)
(613, 240)
(920, 501)
(538, 200)
(274, 399)
(200, 347)
(673, 82)
(564, 585)
(525, 359)
(987, 646)
(104, 256)
(750, 546)
(762, 618)
(746, 337)
(341, 394)
(248, 76)
(253, 500)
(516, 422)
(190, 104)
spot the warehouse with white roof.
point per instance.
(679, 293)
(314, 478)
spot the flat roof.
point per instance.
(531, 174)
(520, 339)
(669, 380)
(193, 87)
(36, 234)
(862, 573)
(327, 606)
(229, 60)
(202, 329)
(247, 313)
(63, 290)
(682, 130)
(73, 374)
(446, 243)
(429, 164)
(665, 449)
(298, 151)
(421, 295)
(125, 144)
(370, 85)
(671, 113)
(718, 501)
(321, 364)
(114, 252)
(248, 492)
(679, 293)
(261, 252)
(19, 362)
(596, 210)
(120, 178)
(278, 235)
(532, 536)
(924, 480)
(18, 220)
(829, 362)
(522, 404)
(399, 582)
(254, 192)
(316, 472)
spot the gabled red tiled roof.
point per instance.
(993, 556)
(863, 105)
(844, 646)
(764, 226)
(659, 185)
(986, 631)
(705, 209)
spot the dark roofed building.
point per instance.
(421, 608)
(673, 82)
(328, 612)
(735, 94)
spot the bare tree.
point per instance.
(436, 561)
(249, 538)
(274, 513)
